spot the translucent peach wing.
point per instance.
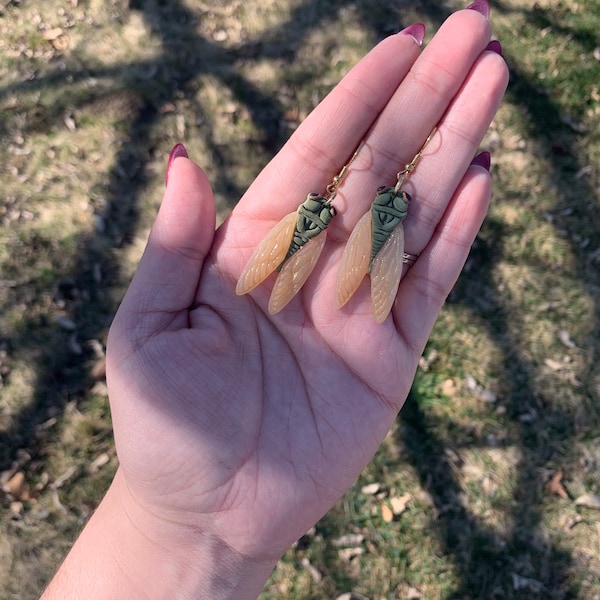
(295, 272)
(386, 271)
(268, 255)
(355, 260)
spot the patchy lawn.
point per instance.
(485, 488)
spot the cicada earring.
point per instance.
(293, 246)
(376, 247)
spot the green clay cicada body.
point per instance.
(388, 210)
(292, 248)
(314, 216)
(375, 247)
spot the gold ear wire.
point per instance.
(332, 187)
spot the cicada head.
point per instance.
(314, 202)
(320, 207)
(385, 196)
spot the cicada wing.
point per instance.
(386, 272)
(295, 272)
(268, 255)
(355, 260)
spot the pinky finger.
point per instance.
(425, 287)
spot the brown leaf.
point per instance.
(314, 572)
(15, 486)
(349, 539)
(449, 388)
(553, 365)
(99, 369)
(349, 554)
(371, 489)
(98, 463)
(555, 486)
(52, 34)
(400, 503)
(386, 513)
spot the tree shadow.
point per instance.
(492, 567)
(186, 56)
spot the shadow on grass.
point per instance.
(484, 570)
(490, 567)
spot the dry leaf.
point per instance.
(52, 34)
(588, 501)
(43, 481)
(314, 572)
(348, 554)
(60, 481)
(99, 369)
(349, 539)
(371, 489)
(65, 323)
(449, 388)
(98, 463)
(555, 486)
(426, 362)
(386, 513)
(413, 594)
(553, 365)
(565, 338)
(483, 394)
(400, 503)
(15, 486)
(17, 508)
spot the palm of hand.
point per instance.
(245, 412)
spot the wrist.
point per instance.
(124, 552)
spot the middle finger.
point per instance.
(412, 112)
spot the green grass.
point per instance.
(87, 129)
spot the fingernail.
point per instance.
(483, 159)
(416, 31)
(481, 6)
(178, 150)
(495, 46)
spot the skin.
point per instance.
(236, 430)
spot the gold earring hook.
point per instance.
(335, 183)
(403, 175)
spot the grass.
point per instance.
(507, 397)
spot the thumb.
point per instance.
(167, 277)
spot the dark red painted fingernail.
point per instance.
(178, 150)
(495, 46)
(483, 159)
(416, 31)
(481, 6)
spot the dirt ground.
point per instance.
(495, 460)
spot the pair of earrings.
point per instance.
(375, 246)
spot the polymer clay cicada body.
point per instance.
(376, 247)
(292, 248)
